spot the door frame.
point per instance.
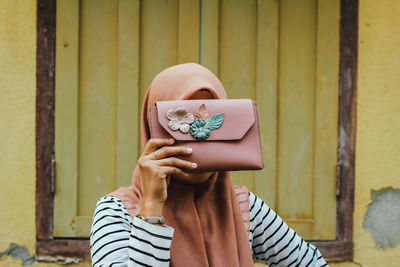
(47, 245)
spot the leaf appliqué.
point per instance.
(202, 113)
(215, 121)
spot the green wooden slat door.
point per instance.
(284, 54)
(66, 118)
(100, 85)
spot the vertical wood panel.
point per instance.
(188, 31)
(66, 117)
(128, 106)
(238, 47)
(326, 128)
(158, 39)
(97, 102)
(209, 42)
(83, 224)
(296, 108)
(267, 92)
(237, 58)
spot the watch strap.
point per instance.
(152, 220)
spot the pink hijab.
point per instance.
(209, 227)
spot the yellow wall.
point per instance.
(378, 121)
(378, 128)
(17, 123)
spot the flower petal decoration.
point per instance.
(202, 113)
(171, 114)
(180, 119)
(174, 125)
(204, 124)
(200, 129)
(199, 125)
(184, 128)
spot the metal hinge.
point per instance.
(53, 175)
(338, 178)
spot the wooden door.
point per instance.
(283, 54)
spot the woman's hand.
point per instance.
(156, 164)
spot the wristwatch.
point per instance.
(153, 220)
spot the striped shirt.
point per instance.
(118, 240)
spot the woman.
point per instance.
(204, 224)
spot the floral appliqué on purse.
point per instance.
(200, 125)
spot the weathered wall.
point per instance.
(378, 131)
(377, 206)
(378, 134)
(377, 195)
(17, 123)
(17, 132)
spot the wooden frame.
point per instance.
(342, 247)
(45, 69)
(45, 64)
(337, 250)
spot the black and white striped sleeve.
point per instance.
(275, 243)
(120, 241)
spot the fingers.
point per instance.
(174, 171)
(175, 162)
(168, 151)
(154, 143)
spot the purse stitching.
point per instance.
(258, 130)
(151, 123)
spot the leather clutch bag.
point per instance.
(223, 134)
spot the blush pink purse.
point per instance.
(223, 134)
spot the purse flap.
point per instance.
(238, 117)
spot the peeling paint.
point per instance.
(382, 219)
(19, 252)
(58, 259)
(72, 224)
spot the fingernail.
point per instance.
(171, 140)
(188, 149)
(194, 165)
